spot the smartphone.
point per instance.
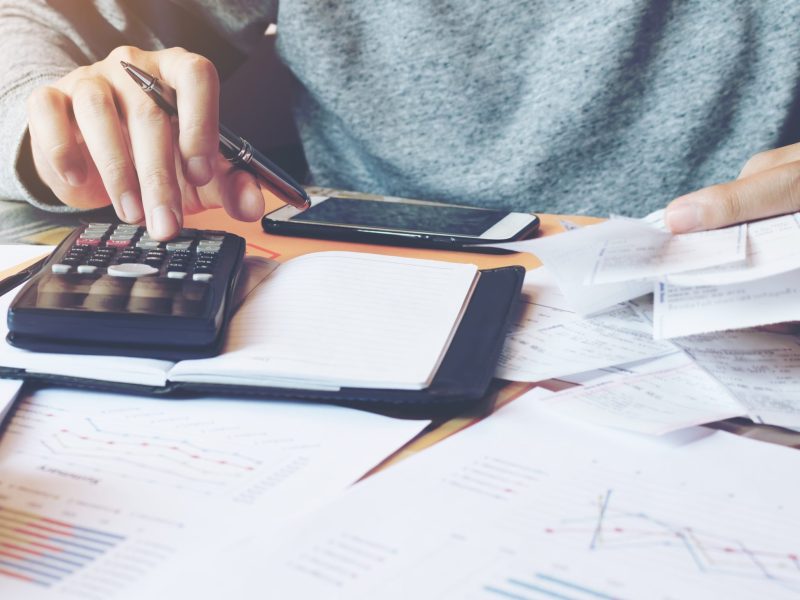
(400, 222)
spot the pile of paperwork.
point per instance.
(732, 278)
(528, 505)
(688, 354)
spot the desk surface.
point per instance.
(20, 223)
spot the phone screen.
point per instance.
(402, 216)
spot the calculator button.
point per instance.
(176, 246)
(131, 270)
(177, 274)
(148, 244)
(60, 269)
(211, 247)
(119, 243)
(87, 269)
(81, 241)
(202, 277)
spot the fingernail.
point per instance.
(74, 177)
(199, 169)
(163, 223)
(131, 207)
(683, 217)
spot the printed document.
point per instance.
(102, 494)
(654, 397)
(571, 256)
(550, 341)
(772, 250)
(526, 504)
(659, 253)
(760, 369)
(681, 311)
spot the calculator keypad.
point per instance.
(103, 246)
(121, 268)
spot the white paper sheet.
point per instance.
(772, 249)
(119, 488)
(12, 255)
(528, 505)
(549, 340)
(9, 389)
(681, 311)
(760, 369)
(571, 256)
(654, 397)
(633, 258)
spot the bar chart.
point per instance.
(44, 551)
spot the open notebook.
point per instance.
(322, 323)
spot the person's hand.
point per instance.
(768, 185)
(96, 139)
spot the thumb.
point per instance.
(765, 194)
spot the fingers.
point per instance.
(767, 193)
(244, 200)
(235, 190)
(52, 129)
(196, 85)
(150, 135)
(96, 114)
(770, 159)
(95, 133)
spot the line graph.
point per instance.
(615, 528)
(164, 448)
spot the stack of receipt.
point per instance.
(732, 278)
(660, 328)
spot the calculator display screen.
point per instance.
(448, 220)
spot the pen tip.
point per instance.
(124, 64)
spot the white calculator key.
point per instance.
(86, 269)
(60, 269)
(202, 277)
(176, 274)
(131, 270)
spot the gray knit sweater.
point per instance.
(577, 106)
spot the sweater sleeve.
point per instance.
(43, 40)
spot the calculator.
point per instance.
(112, 289)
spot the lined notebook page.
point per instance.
(342, 319)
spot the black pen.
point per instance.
(233, 147)
(12, 281)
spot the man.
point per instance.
(582, 107)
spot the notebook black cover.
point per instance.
(462, 381)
